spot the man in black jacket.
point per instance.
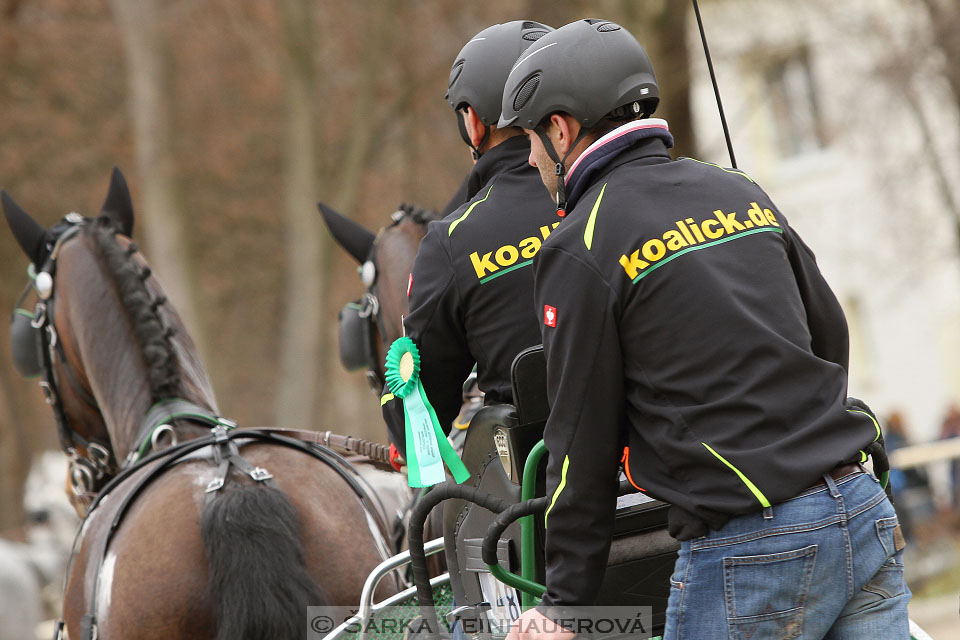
(472, 282)
(690, 335)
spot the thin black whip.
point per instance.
(716, 88)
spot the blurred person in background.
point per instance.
(911, 489)
(951, 429)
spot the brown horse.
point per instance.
(369, 326)
(242, 530)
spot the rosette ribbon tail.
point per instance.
(427, 445)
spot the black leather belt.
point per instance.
(838, 472)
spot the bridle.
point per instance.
(91, 459)
(362, 320)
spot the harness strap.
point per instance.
(165, 412)
(229, 454)
(375, 451)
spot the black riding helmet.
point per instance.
(587, 69)
(590, 69)
(481, 68)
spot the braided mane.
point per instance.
(416, 213)
(142, 309)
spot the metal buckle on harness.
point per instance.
(220, 433)
(50, 396)
(39, 316)
(260, 474)
(159, 432)
(370, 306)
(214, 485)
(100, 457)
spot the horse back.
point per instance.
(155, 576)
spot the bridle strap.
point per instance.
(70, 440)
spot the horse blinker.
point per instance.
(25, 344)
(357, 337)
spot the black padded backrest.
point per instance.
(528, 376)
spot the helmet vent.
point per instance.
(608, 26)
(526, 91)
(533, 36)
(455, 72)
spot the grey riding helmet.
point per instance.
(586, 69)
(482, 66)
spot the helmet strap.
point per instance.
(462, 126)
(560, 169)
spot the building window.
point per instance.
(794, 106)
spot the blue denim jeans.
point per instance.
(821, 565)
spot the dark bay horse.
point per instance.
(369, 326)
(238, 534)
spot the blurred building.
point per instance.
(841, 111)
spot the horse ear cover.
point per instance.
(356, 240)
(28, 233)
(118, 206)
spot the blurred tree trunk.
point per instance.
(149, 105)
(556, 14)
(945, 32)
(342, 175)
(306, 279)
(945, 36)
(661, 27)
(9, 9)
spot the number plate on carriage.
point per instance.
(504, 603)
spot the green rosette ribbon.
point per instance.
(427, 445)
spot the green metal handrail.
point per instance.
(529, 588)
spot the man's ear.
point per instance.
(475, 126)
(565, 131)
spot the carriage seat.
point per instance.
(642, 553)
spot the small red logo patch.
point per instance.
(549, 315)
(409, 284)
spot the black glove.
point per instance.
(877, 449)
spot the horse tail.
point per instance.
(258, 577)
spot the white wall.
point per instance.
(866, 203)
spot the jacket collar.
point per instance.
(635, 139)
(507, 155)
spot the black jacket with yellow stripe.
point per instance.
(472, 284)
(690, 334)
